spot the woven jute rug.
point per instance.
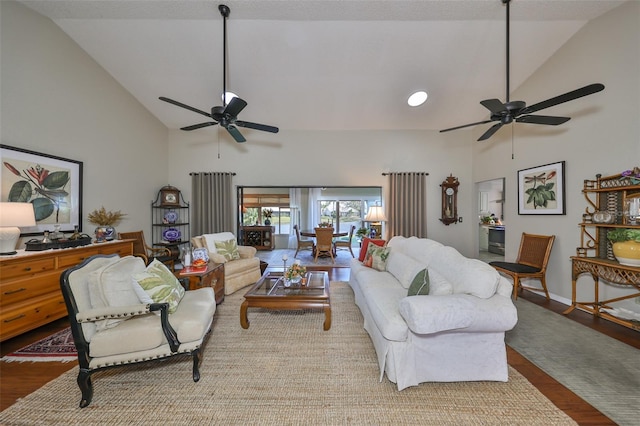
(283, 370)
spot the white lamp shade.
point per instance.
(375, 214)
(13, 215)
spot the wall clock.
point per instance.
(169, 196)
(449, 200)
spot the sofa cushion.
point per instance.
(420, 284)
(111, 286)
(468, 276)
(432, 314)
(210, 240)
(438, 285)
(228, 249)
(384, 305)
(161, 285)
(403, 267)
(365, 244)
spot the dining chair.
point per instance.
(324, 243)
(141, 249)
(345, 244)
(532, 260)
(303, 244)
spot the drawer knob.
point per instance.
(18, 290)
(28, 268)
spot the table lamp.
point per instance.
(13, 215)
(376, 216)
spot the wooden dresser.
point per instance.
(30, 293)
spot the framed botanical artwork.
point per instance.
(52, 184)
(541, 189)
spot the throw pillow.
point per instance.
(228, 249)
(420, 284)
(161, 285)
(365, 245)
(379, 257)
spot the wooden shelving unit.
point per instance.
(595, 253)
(260, 237)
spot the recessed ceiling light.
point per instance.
(417, 99)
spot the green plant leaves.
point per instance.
(541, 195)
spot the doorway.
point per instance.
(491, 220)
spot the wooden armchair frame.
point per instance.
(324, 243)
(345, 244)
(141, 249)
(533, 257)
(303, 244)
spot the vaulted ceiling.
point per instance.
(311, 64)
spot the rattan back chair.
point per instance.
(303, 244)
(141, 249)
(324, 243)
(533, 257)
(345, 244)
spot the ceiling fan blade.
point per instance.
(235, 106)
(181, 105)
(466, 125)
(490, 132)
(542, 119)
(198, 126)
(233, 131)
(263, 127)
(569, 96)
(493, 105)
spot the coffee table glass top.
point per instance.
(273, 284)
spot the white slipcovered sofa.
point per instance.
(455, 333)
(238, 273)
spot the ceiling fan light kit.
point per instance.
(227, 114)
(518, 111)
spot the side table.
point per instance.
(213, 276)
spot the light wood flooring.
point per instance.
(20, 379)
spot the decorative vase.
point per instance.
(109, 233)
(267, 222)
(627, 252)
(295, 280)
(101, 232)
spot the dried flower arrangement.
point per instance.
(102, 217)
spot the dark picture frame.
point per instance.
(541, 190)
(52, 184)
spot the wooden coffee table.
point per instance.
(270, 293)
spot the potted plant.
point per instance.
(267, 213)
(626, 245)
(105, 220)
(362, 232)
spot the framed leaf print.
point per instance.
(52, 184)
(541, 189)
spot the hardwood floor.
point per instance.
(20, 379)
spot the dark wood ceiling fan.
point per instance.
(518, 111)
(227, 114)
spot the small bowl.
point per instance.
(602, 217)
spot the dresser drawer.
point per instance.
(17, 290)
(27, 316)
(26, 268)
(73, 258)
(119, 249)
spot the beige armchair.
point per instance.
(111, 326)
(241, 269)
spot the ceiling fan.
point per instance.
(505, 113)
(227, 114)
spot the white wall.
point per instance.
(336, 158)
(56, 100)
(603, 135)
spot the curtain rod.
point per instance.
(211, 173)
(406, 173)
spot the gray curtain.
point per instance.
(407, 204)
(212, 203)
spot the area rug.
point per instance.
(282, 370)
(274, 258)
(601, 370)
(57, 347)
